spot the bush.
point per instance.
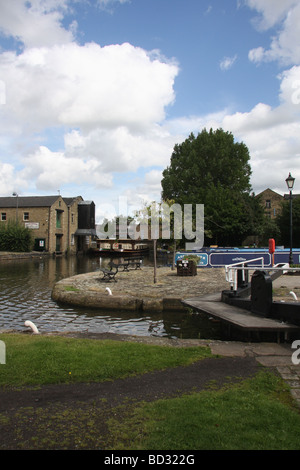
(15, 237)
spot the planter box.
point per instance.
(186, 268)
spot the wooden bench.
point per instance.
(110, 274)
(133, 262)
(128, 263)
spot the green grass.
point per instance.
(71, 289)
(256, 414)
(38, 360)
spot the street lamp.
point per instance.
(16, 195)
(290, 184)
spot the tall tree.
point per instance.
(214, 170)
(284, 223)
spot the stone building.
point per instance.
(271, 202)
(53, 220)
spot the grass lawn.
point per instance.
(256, 413)
(40, 360)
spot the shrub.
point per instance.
(15, 237)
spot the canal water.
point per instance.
(25, 294)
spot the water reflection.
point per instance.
(25, 294)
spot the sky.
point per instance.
(95, 94)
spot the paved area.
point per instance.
(282, 357)
(284, 285)
(136, 289)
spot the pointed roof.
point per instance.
(34, 201)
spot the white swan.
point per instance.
(108, 290)
(294, 295)
(32, 326)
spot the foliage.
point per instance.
(284, 222)
(15, 237)
(214, 170)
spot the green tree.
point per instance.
(214, 170)
(284, 223)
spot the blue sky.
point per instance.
(95, 94)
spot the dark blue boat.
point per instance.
(219, 257)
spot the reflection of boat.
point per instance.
(120, 248)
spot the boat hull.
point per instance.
(219, 257)
(120, 253)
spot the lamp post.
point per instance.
(290, 184)
(16, 195)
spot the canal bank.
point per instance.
(135, 290)
(10, 255)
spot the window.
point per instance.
(58, 219)
(26, 216)
(3, 216)
(268, 204)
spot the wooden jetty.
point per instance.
(236, 318)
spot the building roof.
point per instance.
(33, 201)
(268, 190)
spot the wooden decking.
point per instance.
(237, 317)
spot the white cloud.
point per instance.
(51, 170)
(87, 86)
(285, 45)
(9, 181)
(272, 135)
(120, 150)
(110, 106)
(36, 23)
(227, 62)
(105, 3)
(271, 11)
(113, 100)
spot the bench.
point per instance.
(132, 262)
(109, 274)
(128, 263)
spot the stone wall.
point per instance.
(271, 202)
(56, 224)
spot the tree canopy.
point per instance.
(284, 223)
(214, 170)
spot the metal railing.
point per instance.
(231, 270)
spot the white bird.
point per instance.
(109, 291)
(294, 295)
(32, 326)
